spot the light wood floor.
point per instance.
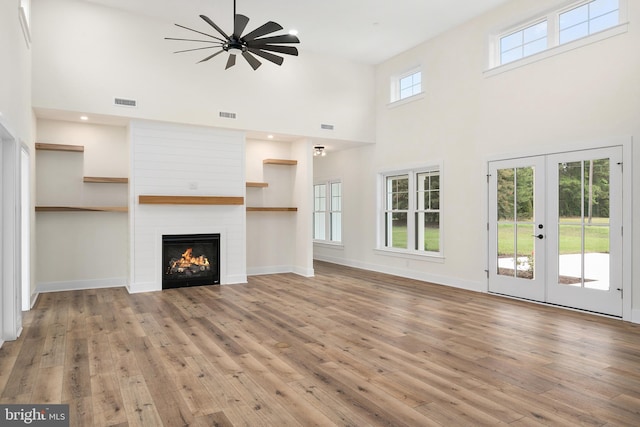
(347, 347)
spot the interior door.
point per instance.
(517, 228)
(585, 208)
(555, 229)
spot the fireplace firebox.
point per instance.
(190, 260)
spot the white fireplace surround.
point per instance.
(160, 165)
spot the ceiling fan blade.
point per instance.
(213, 24)
(200, 32)
(289, 50)
(268, 56)
(192, 40)
(211, 56)
(239, 25)
(231, 61)
(197, 48)
(262, 30)
(284, 38)
(251, 60)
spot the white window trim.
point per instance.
(394, 89)
(553, 47)
(382, 195)
(328, 212)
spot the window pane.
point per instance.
(336, 196)
(574, 17)
(511, 55)
(506, 248)
(398, 193)
(428, 231)
(570, 192)
(524, 193)
(319, 219)
(405, 93)
(396, 230)
(410, 85)
(435, 200)
(602, 7)
(336, 226)
(574, 33)
(535, 32)
(535, 47)
(505, 192)
(511, 41)
(603, 22)
(406, 83)
(524, 254)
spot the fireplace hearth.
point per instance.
(190, 260)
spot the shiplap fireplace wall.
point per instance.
(180, 160)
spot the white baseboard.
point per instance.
(76, 285)
(138, 288)
(280, 269)
(304, 272)
(235, 279)
(409, 274)
(34, 299)
(272, 269)
(635, 315)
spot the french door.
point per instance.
(555, 225)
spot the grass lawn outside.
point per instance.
(596, 234)
(596, 238)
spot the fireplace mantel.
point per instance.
(190, 200)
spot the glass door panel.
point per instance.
(585, 198)
(516, 234)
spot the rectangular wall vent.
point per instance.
(326, 127)
(226, 115)
(122, 102)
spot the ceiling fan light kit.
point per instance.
(249, 45)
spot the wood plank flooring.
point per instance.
(347, 348)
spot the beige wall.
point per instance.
(583, 97)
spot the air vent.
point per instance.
(122, 102)
(326, 127)
(227, 115)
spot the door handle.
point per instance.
(539, 236)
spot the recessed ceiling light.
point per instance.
(270, 136)
(84, 118)
(293, 32)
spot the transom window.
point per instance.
(588, 19)
(406, 85)
(327, 211)
(558, 27)
(525, 42)
(411, 211)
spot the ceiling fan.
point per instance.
(248, 45)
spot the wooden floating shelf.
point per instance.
(280, 162)
(257, 184)
(266, 209)
(59, 147)
(105, 180)
(81, 209)
(190, 200)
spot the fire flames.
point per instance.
(189, 262)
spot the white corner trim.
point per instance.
(24, 23)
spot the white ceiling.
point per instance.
(367, 31)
